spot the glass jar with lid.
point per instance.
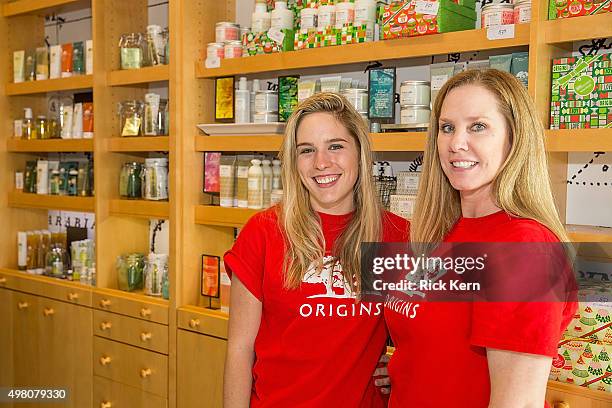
(130, 117)
(55, 261)
(131, 50)
(130, 180)
(155, 179)
(130, 269)
(155, 269)
(163, 118)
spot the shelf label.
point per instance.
(500, 32)
(276, 35)
(427, 7)
(214, 62)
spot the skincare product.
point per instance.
(42, 63)
(18, 66)
(67, 60)
(256, 185)
(243, 104)
(55, 61)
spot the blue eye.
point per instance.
(446, 128)
(478, 127)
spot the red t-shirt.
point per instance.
(315, 347)
(440, 347)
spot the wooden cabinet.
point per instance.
(561, 395)
(26, 339)
(6, 339)
(123, 396)
(200, 362)
(148, 335)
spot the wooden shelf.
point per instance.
(565, 30)
(32, 6)
(438, 44)
(381, 142)
(50, 145)
(139, 76)
(584, 233)
(579, 140)
(50, 85)
(140, 208)
(583, 392)
(139, 144)
(51, 202)
(222, 216)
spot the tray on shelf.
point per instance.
(214, 129)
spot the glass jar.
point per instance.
(130, 180)
(131, 50)
(130, 118)
(163, 118)
(55, 261)
(130, 269)
(166, 39)
(155, 46)
(155, 269)
(42, 130)
(155, 179)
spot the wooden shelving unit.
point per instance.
(139, 76)
(49, 145)
(579, 140)
(139, 144)
(583, 233)
(140, 208)
(50, 202)
(222, 216)
(33, 6)
(576, 29)
(50, 85)
(413, 47)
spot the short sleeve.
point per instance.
(246, 258)
(395, 228)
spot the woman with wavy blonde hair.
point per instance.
(298, 334)
(485, 179)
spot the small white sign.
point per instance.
(500, 32)
(212, 62)
(426, 7)
(437, 81)
(276, 35)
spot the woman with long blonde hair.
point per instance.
(485, 179)
(298, 334)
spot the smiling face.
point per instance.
(473, 140)
(328, 163)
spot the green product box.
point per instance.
(287, 96)
(261, 43)
(581, 95)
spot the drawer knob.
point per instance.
(145, 372)
(2, 280)
(145, 312)
(72, 296)
(105, 360)
(144, 336)
(193, 323)
(106, 404)
(23, 305)
(48, 311)
(105, 303)
(105, 325)
(561, 404)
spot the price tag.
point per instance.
(212, 62)
(500, 32)
(276, 35)
(437, 81)
(426, 7)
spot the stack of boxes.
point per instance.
(581, 92)
(402, 202)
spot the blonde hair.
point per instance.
(522, 185)
(304, 240)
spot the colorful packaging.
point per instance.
(582, 363)
(287, 96)
(591, 323)
(581, 95)
(67, 60)
(400, 19)
(576, 8)
(262, 43)
(211, 172)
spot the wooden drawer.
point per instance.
(22, 282)
(149, 335)
(199, 320)
(110, 394)
(138, 306)
(145, 370)
(71, 292)
(561, 395)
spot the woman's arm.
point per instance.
(518, 380)
(244, 321)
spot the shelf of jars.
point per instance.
(139, 144)
(413, 47)
(33, 6)
(222, 216)
(381, 142)
(139, 76)
(140, 208)
(576, 29)
(584, 233)
(49, 145)
(50, 85)
(579, 140)
(18, 199)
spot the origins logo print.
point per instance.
(330, 278)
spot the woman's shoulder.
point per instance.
(395, 228)
(266, 219)
(527, 230)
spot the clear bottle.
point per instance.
(42, 130)
(281, 17)
(243, 104)
(28, 127)
(252, 97)
(276, 175)
(261, 18)
(256, 185)
(267, 182)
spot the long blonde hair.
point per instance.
(522, 185)
(304, 240)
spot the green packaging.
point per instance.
(287, 96)
(501, 62)
(520, 67)
(78, 58)
(29, 185)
